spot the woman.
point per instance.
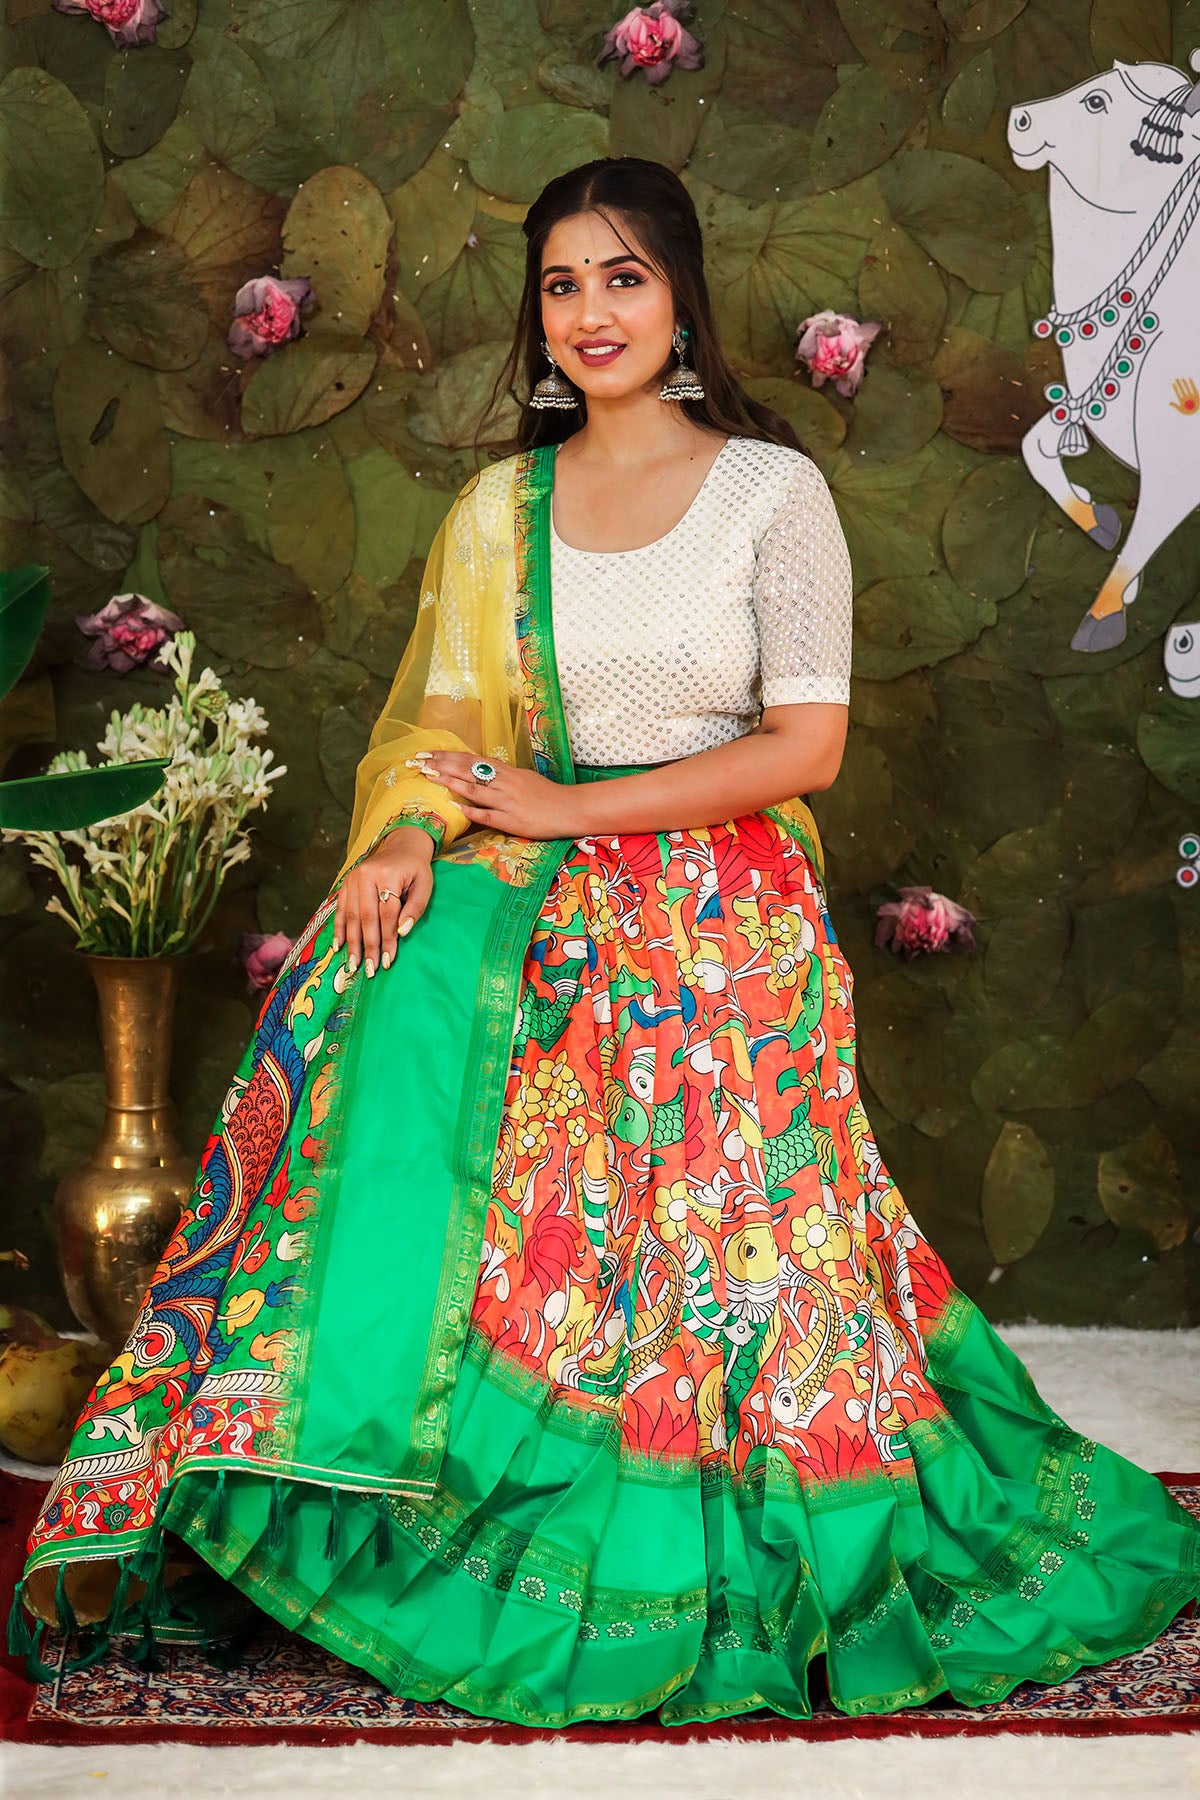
(545, 1333)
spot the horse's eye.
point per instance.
(1096, 102)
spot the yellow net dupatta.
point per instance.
(458, 686)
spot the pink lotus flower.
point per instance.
(651, 38)
(266, 314)
(262, 954)
(833, 347)
(128, 22)
(922, 921)
(128, 632)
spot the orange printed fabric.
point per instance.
(690, 1224)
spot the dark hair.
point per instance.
(651, 199)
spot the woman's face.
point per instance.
(594, 290)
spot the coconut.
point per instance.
(43, 1385)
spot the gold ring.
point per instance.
(387, 894)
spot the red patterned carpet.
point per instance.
(285, 1690)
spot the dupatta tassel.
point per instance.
(384, 1547)
(216, 1512)
(23, 1637)
(275, 1532)
(68, 1624)
(333, 1534)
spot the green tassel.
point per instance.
(20, 1625)
(68, 1624)
(275, 1532)
(116, 1606)
(146, 1652)
(383, 1533)
(333, 1536)
(216, 1516)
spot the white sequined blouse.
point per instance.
(674, 647)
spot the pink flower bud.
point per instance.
(262, 955)
(266, 314)
(833, 347)
(922, 921)
(128, 631)
(651, 38)
(128, 22)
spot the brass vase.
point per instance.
(115, 1213)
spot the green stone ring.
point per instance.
(483, 771)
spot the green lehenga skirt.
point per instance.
(669, 1399)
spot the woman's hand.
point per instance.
(383, 896)
(518, 800)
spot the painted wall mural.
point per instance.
(183, 422)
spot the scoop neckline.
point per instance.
(637, 550)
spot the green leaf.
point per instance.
(211, 569)
(782, 59)
(51, 169)
(230, 231)
(902, 287)
(337, 234)
(1141, 33)
(310, 518)
(304, 384)
(146, 304)
(1140, 1187)
(24, 598)
(69, 801)
(74, 1111)
(662, 120)
(343, 741)
(393, 512)
(298, 144)
(432, 213)
(203, 400)
(389, 132)
(895, 414)
(862, 124)
(451, 403)
(110, 431)
(773, 265)
(884, 510)
(1016, 870)
(62, 505)
(142, 90)
(482, 285)
(912, 621)
(1166, 738)
(747, 154)
(818, 424)
(531, 144)
(227, 103)
(1018, 1193)
(1024, 959)
(989, 398)
(988, 532)
(153, 183)
(968, 101)
(966, 216)
(972, 21)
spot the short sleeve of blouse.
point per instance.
(803, 595)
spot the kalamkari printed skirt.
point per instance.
(721, 1409)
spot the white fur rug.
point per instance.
(1137, 1391)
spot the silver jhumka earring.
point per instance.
(552, 389)
(683, 383)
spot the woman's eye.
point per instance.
(621, 275)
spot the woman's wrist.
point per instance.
(410, 838)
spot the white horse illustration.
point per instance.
(1123, 151)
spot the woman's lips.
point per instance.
(600, 357)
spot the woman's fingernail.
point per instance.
(406, 928)
(370, 966)
(352, 965)
(387, 959)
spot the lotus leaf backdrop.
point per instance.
(1037, 1102)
